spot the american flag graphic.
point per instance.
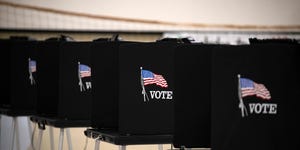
(249, 87)
(32, 65)
(85, 71)
(152, 78)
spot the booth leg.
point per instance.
(40, 138)
(17, 135)
(97, 144)
(13, 133)
(61, 139)
(122, 147)
(69, 139)
(160, 147)
(30, 132)
(51, 138)
(0, 129)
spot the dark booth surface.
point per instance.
(59, 123)
(105, 84)
(48, 64)
(5, 47)
(192, 123)
(265, 115)
(118, 100)
(21, 99)
(65, 80)
(146, 84)
(114, 137)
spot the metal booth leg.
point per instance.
(13, 133)
(122, 147)
(41, 131)
(69, 139)
(61, 139)
(42, 128)
(160, 147)
(97, 144)
(17, 135)
(51, 138)
(0, 129)
(30, 132)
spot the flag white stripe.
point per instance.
(259, 90)
(157, 79)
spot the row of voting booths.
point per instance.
(172, 91)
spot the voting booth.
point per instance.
(5, 47)
(64, 91)
(133, 87)
(22, 74)
(255, 97)
(146, 83)
(65, 80)
(132, 93)
(20, 81)
(105, 90)
(192, 109)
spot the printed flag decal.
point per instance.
(148, 77)
(84, 71)
(247, 87)
(31, 69)
(152, 78)
(32, 65)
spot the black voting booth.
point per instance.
(64, 92)
(265, 113)
(152, 112)
(65, 84)
(192, 109)
(5, 47)
(21, 72)
(105, 88)
(20, 80)
(119, 108)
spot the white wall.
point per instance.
(243, 12)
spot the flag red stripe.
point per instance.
(33, 69)
(259, 90)
(158, 80)
(85, 74)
